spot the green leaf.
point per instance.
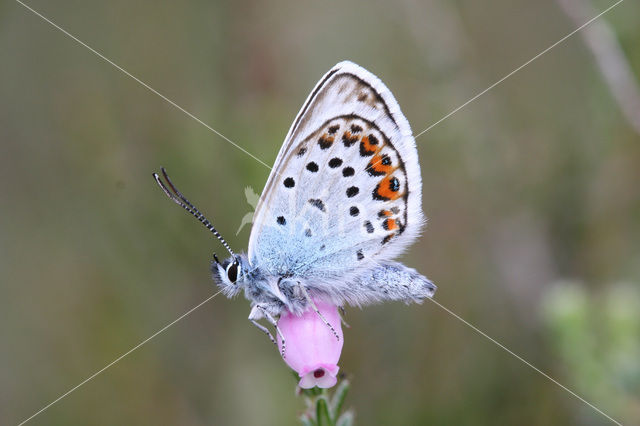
(322, 412)
(338, 399)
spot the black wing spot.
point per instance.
(369, 227)
(289, 182)
(352, 191)
(360, 254)
(394, 184)
(301, 151)
(354, 211)
(348, 171)
(312, 167)
(281, 220)
(333, 129)
(307, 232)
(388, 238)
(355, 128)
(317, 203)
(335, 162)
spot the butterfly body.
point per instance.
(343, 199)
(276, 293)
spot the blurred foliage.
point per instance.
(324, 406)
(597, 339)
(534, 182)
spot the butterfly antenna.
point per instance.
(177, 197)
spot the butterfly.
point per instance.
(343, 199)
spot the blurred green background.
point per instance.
(532, 193)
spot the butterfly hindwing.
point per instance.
(345, 191)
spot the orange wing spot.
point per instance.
(389, 224)
(380, 165)
(387, 189)
(369, 145)
(348, 139)
(325, 141)
(384, 213)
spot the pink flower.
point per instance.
(312, 349)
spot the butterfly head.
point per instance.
(231, 273)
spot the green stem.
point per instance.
(324, 408)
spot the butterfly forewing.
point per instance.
(345, 190)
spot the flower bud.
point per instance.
(312, 349)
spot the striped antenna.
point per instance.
(177, 197)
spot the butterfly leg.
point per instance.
(264, 330)
(342, 315)
(259, 312)
(315, 308)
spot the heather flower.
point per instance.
(312, 349)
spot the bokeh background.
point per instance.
(532, 193)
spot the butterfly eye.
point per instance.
(232, 272)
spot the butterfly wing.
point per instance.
(345, 190)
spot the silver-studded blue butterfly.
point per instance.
(343, 199)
